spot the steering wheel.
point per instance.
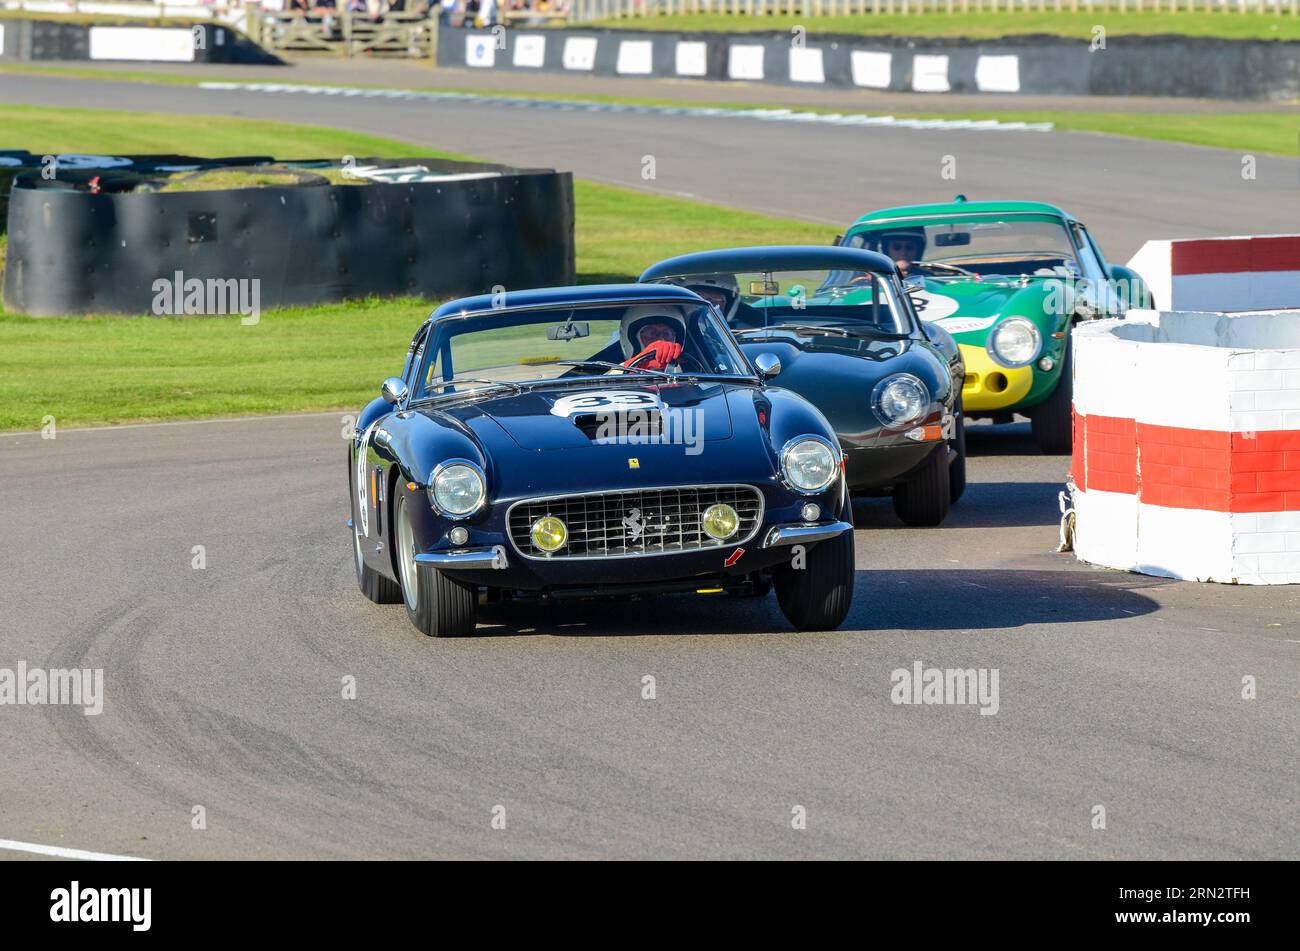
(681, 361)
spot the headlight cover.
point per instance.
(1015, 342)
(809, 464)
(457, 488)
(900, 399)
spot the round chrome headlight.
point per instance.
(457, 489)
(900, 399)
(810, 464)
(1015, 342)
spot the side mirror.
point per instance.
(839, 239)
(768, 365)
(394, 390)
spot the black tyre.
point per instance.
(436, 604)
(817, 596)
(957, 469)
(925, 498)
(1052, 419)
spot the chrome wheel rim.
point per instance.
(406, 557)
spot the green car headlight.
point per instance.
(1015, 342)
(720, 521)
(549, 533)
(900, 399)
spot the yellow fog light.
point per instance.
(549, 533)
(720, 521)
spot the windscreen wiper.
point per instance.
(456, 381)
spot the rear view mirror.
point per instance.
(957, 239)
(764, 288)
(570, 331)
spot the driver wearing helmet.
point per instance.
(903, 246)
(650, 337)
(720, 290)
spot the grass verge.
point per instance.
(987, 25)
(130, 369)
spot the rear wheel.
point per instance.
(957, 469)
(925, 498)
(1052, 419)
(817, 596)
(437, 605)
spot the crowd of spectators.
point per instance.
(453, 13)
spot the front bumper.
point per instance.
(780, 536)
(990, 387)
(496, 558)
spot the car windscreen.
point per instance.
(987, 245)
(464, 353)
(862, 300)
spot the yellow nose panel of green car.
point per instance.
(989, 386)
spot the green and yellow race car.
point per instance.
(1008, 280)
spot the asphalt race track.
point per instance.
(1126, 190)
(223, 685)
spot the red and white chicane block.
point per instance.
(1187, 445)
(1222, 274)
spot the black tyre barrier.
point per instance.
(74, 252)
(143, 42)
(1030, 65)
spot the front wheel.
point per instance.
(437, 605)
(1053, 419)
(925, 498)
(817, 595)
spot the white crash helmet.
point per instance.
(635, 317)
(726, 283)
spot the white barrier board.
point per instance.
(530, 51)
(142, 43)
(481, 50)
(635, 58)
(998, 74)
(929, 73)
(579, 53)
(871, 69)
(806, 66)
(692, 58)
(745, 61)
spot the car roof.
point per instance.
(564, 297)
(960, 206)
(791, 257)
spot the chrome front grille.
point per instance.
(636, 521)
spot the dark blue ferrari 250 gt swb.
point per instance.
(587, 442)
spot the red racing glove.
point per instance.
(656, 356)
